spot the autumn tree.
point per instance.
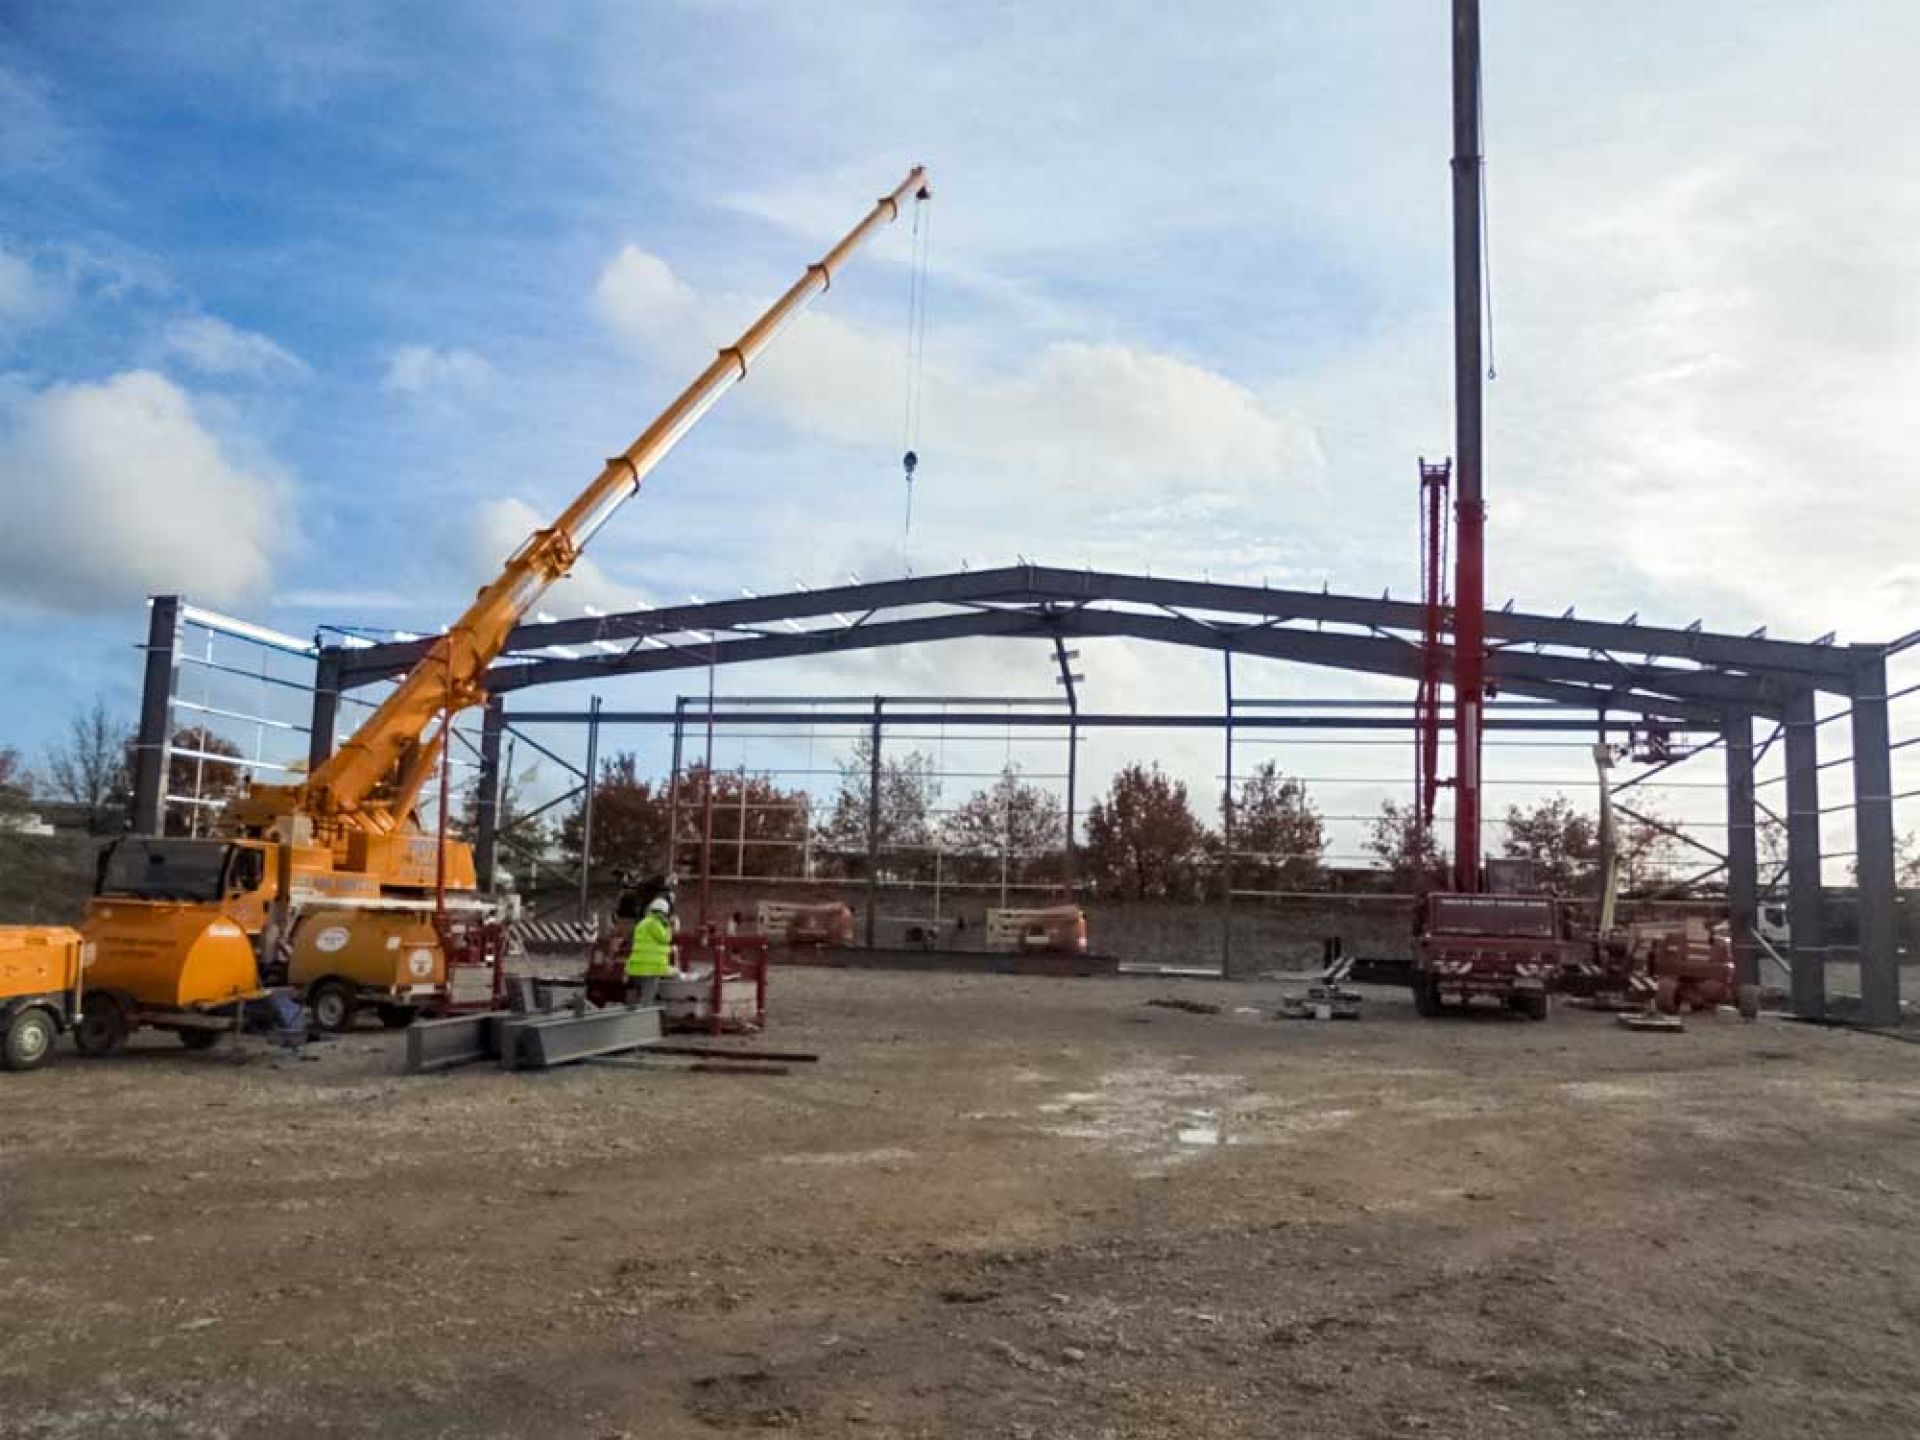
(759, 829)
(909, 792)
(1278, 838)
(1012, 830)
(16, 789)
(1906, 872)
(1649, 848)
(89, 767)
(520, 826)
(1143, 840)
(1562, 844)
(629, 820)
(204, 771)
(1406, 849)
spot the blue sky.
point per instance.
(364, 288)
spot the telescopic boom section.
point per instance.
(389, 747)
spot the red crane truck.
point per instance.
(1505, 948)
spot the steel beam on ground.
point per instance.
(1743, 865)
(442, 1044)
(1873, 839)
(154, 737)
(541, 1042)
(1805, 894)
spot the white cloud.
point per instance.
(25, 298)
(211, 345)
(422, 372)
(117, 490)
(639, 295)
(1077, 416)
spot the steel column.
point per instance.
(153, 743)
(587, 786)
(1073, 783)
(1226, 822)
(1743, 863)
(873, 826)
(673, 786)
(1805, 897)
(1873, 839)
(486, 794)
(325, 714)
(1469, 591)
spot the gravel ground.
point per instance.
(998, 1207)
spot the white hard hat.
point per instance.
(659, 905)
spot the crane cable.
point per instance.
(915, 368)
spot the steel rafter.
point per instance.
(1690, 696)
(1824, 667)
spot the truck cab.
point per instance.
(236, 876)
(1507, 948)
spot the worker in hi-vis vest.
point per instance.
(652, 953)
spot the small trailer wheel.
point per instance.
(199, 1039)
(333, 1004)
(103, 1027)
(397, 1017)
(27, 1039)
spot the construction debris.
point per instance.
(1192, 1007)
(1660, 1024)
(1320, 1002)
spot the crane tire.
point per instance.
(26, 1040)
(103, 1027)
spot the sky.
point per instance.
(310, 311)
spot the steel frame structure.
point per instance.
(1703, 681)
(871, 718)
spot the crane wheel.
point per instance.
(334, 1005)
(1666, 996)
(397, 1017)
(199, 1039)
(103, 1027)
(1534, 1004)
(27, 1039)
(1426, 996)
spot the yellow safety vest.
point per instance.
(652, 952)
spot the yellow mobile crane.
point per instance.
(333, 875)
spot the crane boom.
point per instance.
(370, 783)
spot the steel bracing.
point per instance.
(1716, 683)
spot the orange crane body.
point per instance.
(331, 879)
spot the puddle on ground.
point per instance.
(1613, 1090)
(844, 1157)
(1162, 1116)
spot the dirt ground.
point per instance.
(997, 1207)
